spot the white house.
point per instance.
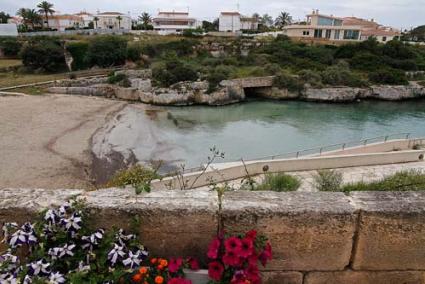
(113, 20)
(8, 30)
(86, 17)
(173, 22)
(63, 22)
(235, 22)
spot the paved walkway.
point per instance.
(350, 175)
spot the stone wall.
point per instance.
(363, 237)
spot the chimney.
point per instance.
(372, 20)
(317, 11)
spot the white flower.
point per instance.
(122, 238)
(18, 238)
(116, 253)
(10, 260)
(27, 280)
(73, 223)
(51, 216)
(93, 239)
(82, 267)
(66, 251)
(8, 278)
(133, 260)
(38, 267)
(56, 278)
(6, 230)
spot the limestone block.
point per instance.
(129, 94)
(274, 277)
(172, 223)
(308, 231)
(143, 85)
(366, 277)
(391, 234)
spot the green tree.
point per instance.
(46, 8)
(29, 17)
(283, 19)
(4, 17)
(266, 20)
(146, 20)
(119, 18)
(96, 19)
(210, 26)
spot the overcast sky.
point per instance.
(397, 13)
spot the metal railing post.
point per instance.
(343, 147)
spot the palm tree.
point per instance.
(266, 20)
(146, 19)
(4, 17)
(46, 8)
(29, 16)
(283, 19)
(96, 19)
(119, 18)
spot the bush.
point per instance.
(279, 183)
(134, 53)
(217, 75)
(340, 76)
(78, 51)
(389, 76)
(401, 181)
(136, 176)
(284, 80)
(272, 68)
(311, 77)
(10, 46)
(106, 51)
(172, 72)
(327, 180)
(44, 55)
(119, 79)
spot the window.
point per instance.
(337, 34)
(306, 33)
(351, 34)
(384, 38)
(318, 33)
(328, 33)
(325, 21)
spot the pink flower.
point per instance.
(247, 248)
(215, 270)
(193, 263)
(175, 264)
(179, 280)
(213, 248)
(233, 244)
(252, 273)
(266, 255)
(231, 258)
(239, 277)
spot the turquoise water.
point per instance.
(262, 128)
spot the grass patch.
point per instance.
(279, 183)
(4, 63)
(11, 79)
(327, 180)
(35, 91)
(412, 180)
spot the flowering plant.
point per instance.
(60, 248)
(161, 271)
(234, 259)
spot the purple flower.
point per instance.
(122, 238)
(115, 254)
(73, 223)
(52, 217)
(134, 259)
(92, 240)
(56, 278)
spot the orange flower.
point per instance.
(153, 260)
(143, 270)
(137, 278)
(160, 267)
(164, 262)
(159, 280)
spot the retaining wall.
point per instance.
(316, 237)
(235, 171)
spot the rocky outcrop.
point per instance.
(396, 93)
(101, 90)
(334, 94)
(140, 73)
(84, 82)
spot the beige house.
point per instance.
(113, 21)
(86, 17)
(323, 27)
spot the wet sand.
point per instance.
(45, 141)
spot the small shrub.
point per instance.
(106, 51)
(119, 79)
(217, 75)
(172, 72)
(389, 76)
(78, 51)
(279, 183)
(284, 80)
(43, 55)
(272, 68)
(339, 76)
(327, 180)
(311, 77)
(134, 53)
(136, 176)
(10, 46)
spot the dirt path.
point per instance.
(45, 140)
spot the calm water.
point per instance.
(262, 128)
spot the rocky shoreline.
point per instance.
(228, 91)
